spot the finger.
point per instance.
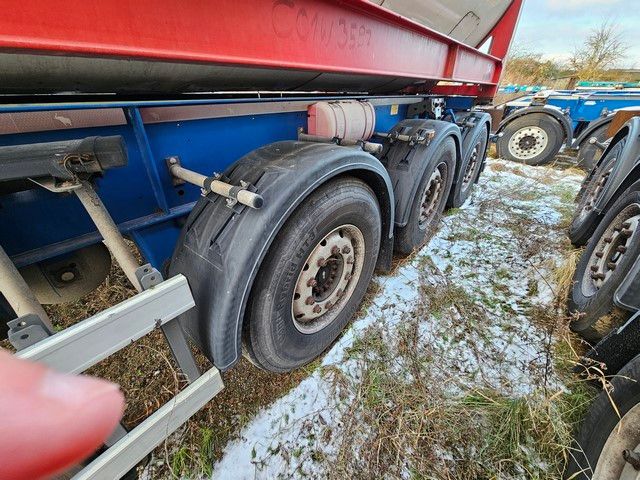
(50, 421)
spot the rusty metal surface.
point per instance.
(23, 122)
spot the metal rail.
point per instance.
(86, 343)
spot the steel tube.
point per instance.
(17, 292)
(188, 176)
(242, 195)
(113, 239)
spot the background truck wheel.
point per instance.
(598, 451)
(314, 276)
(533, 139)
(469, 169)
(429, 201)
(603, 265)
(589, 154)
(585, 220)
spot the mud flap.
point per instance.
(617, 349)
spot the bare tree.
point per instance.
(526, 68)
(603, 49)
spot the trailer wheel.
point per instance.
(314, 276)
(585, 220)
(588, 153)
(429, 201)
(599, 449)
(533, 139)
(470, 168)
(603, 265)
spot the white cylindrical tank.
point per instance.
(343, 119)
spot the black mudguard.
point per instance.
(472, 122)
(625, 170)
(221, 248)
(617, 349)
(405, 163)
(588, 132)
(556, 113)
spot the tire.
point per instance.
(281, 331)
(589, 154)
(603, 265)
(586, 219)
(429, 201)
(470, 168)
(534, 139)
(602, 423)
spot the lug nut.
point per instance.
(312, 282)
(607, 239)
(350, 260)
(621, 249)
(594, 268)
(347, 277)
(317, 309)
(310, 301)
(346, 249)
(599, 254)
(328, 306)
(335, 250)
(322, 262)
(597, 276)
(611, 265)
(626, 224)
(339, 292)
(626, 233)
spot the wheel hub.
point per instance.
(619, 455)
(328, 278)
(611, 248)
(432, 195)
(528, 142)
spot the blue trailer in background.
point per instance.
(533, 128)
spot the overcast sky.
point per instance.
(553, 27)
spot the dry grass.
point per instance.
(411, 423)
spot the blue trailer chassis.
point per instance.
(207, 135)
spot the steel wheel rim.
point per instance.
(611, 249)
(528, 142)
(471, 166)
(328, 278)
(625, 437)
(431, 195)
(592, 196)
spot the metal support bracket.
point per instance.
(149, 277)
(243, 194)
(424, 139)
(27, 330)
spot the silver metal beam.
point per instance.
(17, 292)
(113, 239)
(82, 345)
(128, 451)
